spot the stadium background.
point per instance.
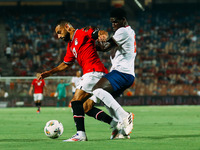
(168, 47)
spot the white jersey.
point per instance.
(124, 57)
(76, 81)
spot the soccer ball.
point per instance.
(53, 129)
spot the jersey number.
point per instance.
(134, 45)
(74, 52)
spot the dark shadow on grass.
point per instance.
(23, 140)
(168, 136)
(94, 140)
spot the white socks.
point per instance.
(110, 102)
(81, 133)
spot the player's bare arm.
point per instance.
(31, 89)
(63, 66)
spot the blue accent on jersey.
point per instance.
(119, 81)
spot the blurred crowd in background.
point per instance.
(168, 47)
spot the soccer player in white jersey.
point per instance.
(123, 52)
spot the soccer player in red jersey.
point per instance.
(81, 47)
(38, 86)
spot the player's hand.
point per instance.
(102, 36)
(44, 75)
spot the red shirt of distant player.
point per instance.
(82, 48)
(38, 86)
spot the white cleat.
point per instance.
(75, 138)
(128, 123)
(122, 135)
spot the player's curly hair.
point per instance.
(118, 13)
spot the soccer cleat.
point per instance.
(75, 138)
(38, 111)
(116, 128)
(128, 123)
(122, 135)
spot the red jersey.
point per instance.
(38, 85)
(83, 49)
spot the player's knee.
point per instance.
(98, 93)
(88, 105)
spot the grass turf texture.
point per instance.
(156, 128)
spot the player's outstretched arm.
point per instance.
(59, 68)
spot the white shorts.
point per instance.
(38, 96)
(88, 81)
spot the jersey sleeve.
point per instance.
(32, 82)
(69, 57)
(120, 36)
(92, 33)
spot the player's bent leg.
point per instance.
(110, 102)
(39, 105)
(78, 114)
(103, 83)
(100, 115)
(88, 105)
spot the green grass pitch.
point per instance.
(155, 128)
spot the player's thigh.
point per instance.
(103, 83)
(89, 80)
(38, 97)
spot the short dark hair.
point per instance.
(118, 13)
(62, 22)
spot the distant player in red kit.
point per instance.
(38, 86)
(81, 46)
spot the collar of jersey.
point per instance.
(74, 34)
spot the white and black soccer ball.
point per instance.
(53, 129)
